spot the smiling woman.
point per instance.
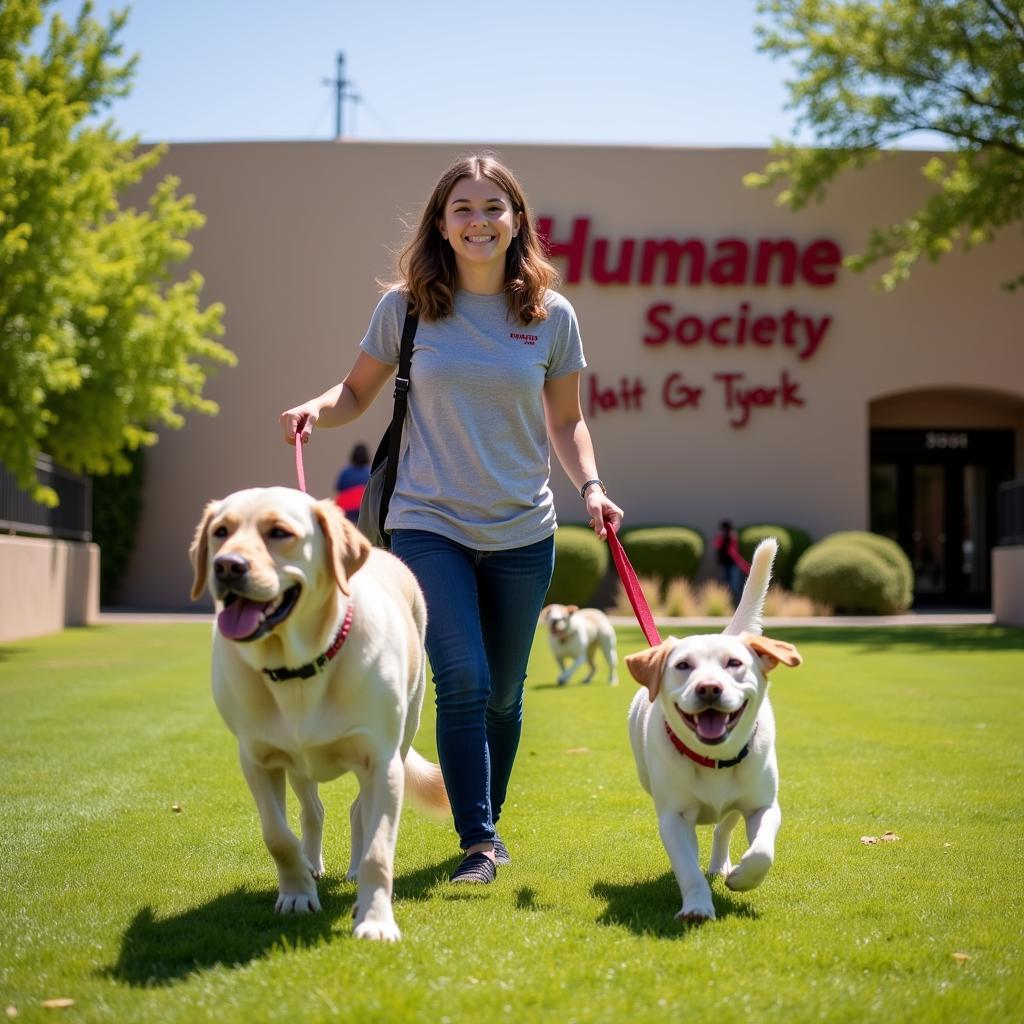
(494, 387)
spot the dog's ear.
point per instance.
(572, 609)
(772, 652)
(347, 548)
(198, 552)
(545, 612)
(647, 667)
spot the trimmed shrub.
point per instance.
(891, 553)
(851, 577)
(665, 552)
(581, 559)
(793, 543)
(116, 510)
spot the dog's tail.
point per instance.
(747, 617)
(424, 786)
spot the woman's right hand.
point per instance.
(299, 422)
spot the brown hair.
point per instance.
(426, 266)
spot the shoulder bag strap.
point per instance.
(398, 418)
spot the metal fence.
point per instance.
(1010, 513)
(70, 520)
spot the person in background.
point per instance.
(351, 482)
(495, 389)
(733, 567)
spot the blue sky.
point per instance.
(661, 72)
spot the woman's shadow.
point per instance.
(649, 907)
(238, 927)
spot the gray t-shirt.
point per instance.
(475, 463)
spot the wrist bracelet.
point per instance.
(591, 483)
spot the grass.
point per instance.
(138, 912)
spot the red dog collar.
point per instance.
(707, 762)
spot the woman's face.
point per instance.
(479, 223)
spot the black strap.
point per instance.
(394, 432)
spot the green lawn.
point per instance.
(138, 912)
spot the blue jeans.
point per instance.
(482, 611)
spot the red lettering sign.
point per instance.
(721, 262)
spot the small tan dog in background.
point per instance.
(318, 669)
(703, 736)
(575, 635)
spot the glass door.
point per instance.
(933, 492)
(928, 549)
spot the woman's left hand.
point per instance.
(603, 512)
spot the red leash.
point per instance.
(636, 596)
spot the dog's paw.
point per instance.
(694, 913)
(750, 872)
(722, 870)
(377, 931)
(297, 903)
(315, 863)
(614, 681)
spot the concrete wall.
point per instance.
(46, 585)
(1008, 585)
(298, 233)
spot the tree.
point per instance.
(99, 345)
(874, 72)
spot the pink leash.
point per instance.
(298, 458)
(636, 596)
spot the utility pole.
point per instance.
(341, 93)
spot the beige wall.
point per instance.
(297, 233)
(1008, 585)
(47, 585)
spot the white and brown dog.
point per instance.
(703, 736)
(575, 635)
(318, 669)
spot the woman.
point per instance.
(495, 377)
(732, 566)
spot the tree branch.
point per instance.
(1012, 22)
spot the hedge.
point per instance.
(891, 553)
(667, 553)
(853, 572)
(793, 542)
(116, 510)
(581, 559)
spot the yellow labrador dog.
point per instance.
(574, 636)
(703, 737)
(318, 669)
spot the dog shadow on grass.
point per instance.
(649, 907)
(239, 927)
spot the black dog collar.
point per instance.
(281, 675)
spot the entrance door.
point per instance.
(934, 493)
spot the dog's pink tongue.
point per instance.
(240, 619)
(711, 724)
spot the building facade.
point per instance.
(736, 368)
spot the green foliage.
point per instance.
(98, 345)
(891, 553)
(872, 72)
(856, 572)
(793, 542)
(116, 510)
(581, 559)
(665, 552)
